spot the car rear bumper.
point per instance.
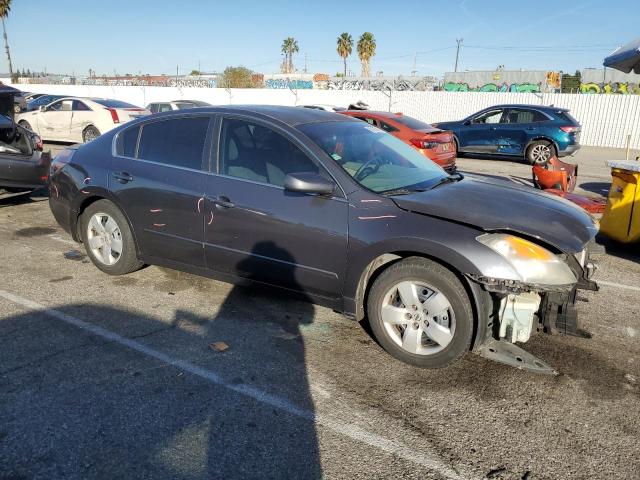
(27, 173)
(445, 160)
(569, 150)
(60, 209)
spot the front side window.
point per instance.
(375, 159)
(178, 142)
(164, 107)
(55, 107)
(489, 117)
(254, 152)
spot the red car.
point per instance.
(437, 145)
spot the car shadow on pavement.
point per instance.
(8, 199)
(78, 405)
(600, 188)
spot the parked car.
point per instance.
(325, 107)
(32, 96)
(434, 143)
(79, 119)
(23, 164)
(159, 107)
(337, 212)
(535, 132)
(37, 102)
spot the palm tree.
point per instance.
(345, 46)
(366, 50)
(289, 47)
(5, 6)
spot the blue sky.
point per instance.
(155, 36)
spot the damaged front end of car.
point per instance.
(535, 291)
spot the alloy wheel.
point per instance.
(418, 318)
(104, 238)
(540, 153)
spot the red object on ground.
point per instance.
(591, 205)
(435, 144)
(555, 174)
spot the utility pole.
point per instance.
(305, 62)
(414, 71)
(459, 42)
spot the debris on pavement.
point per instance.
(219, 346)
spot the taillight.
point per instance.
(37, 143)
(569, 128)
(62, 159)
(114, 115)
(424, 144)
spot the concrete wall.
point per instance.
(606, 119)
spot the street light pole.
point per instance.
(459, 42)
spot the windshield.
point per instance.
(375, 159)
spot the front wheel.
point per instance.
(26, 125)
(108, 239)
(420, 313)
(540, 152)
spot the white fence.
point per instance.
(606, 120)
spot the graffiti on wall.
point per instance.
(493, 87)
(148, 81)
(624, 88)
(286, 83)
(380, 84)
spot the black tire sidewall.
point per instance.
(423, 270)
(128, 262)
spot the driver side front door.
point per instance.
(482, 134)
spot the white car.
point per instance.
(78, 119)
(159, 107)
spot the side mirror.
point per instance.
(467, 122)
(42, 108)
(308, 182)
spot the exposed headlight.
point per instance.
(531, 262)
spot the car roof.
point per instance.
(374, 113)
(524, 105)
(291, 116)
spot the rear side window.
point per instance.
(178, 142)
(129, 142)
(566, 116)
(412, 123)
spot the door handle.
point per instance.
(223, 202)
(122, 177)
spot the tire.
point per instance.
(108, 240)
(26, 125)
(414, 343)
(539, 152)
(90, 133)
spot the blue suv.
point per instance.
(532, 131)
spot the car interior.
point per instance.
(257, 153)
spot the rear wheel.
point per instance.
(539, 152)
(108, 239)
(90, 133)
(421, 313)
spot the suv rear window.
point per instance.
(412, 123)
(566, 116)
(178, 142)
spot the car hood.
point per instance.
(497, 205)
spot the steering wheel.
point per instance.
(369, 167)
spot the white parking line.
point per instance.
(340, 426)
(618, 285)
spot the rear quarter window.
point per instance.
(128, 141)
(178, 142)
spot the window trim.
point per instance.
(277, 129)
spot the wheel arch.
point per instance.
(90, 199)
(545, 138)
(482, 302)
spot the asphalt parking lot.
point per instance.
(129, 377)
